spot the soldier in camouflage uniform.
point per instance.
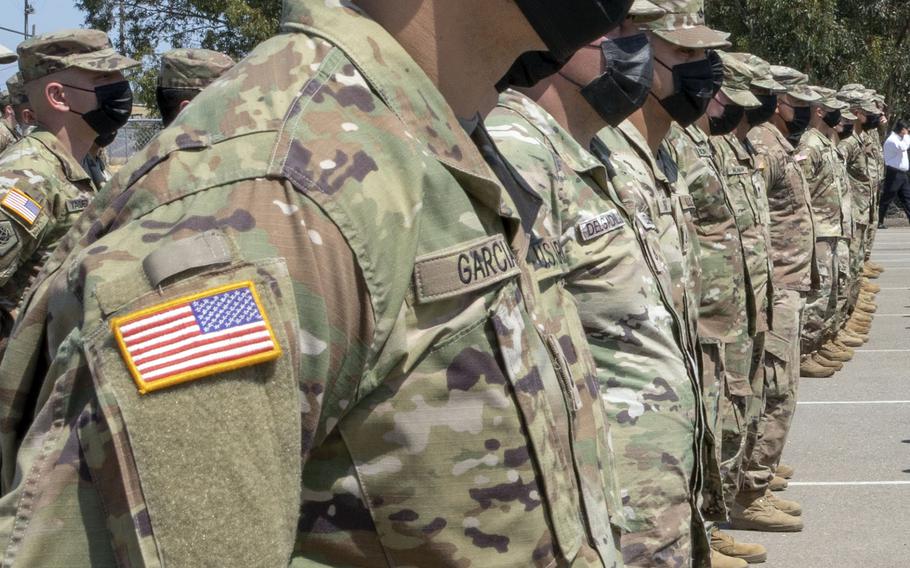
(9, 134)
(25, 116)
(825, 174)
(743, 170)
(184, 73)
(402, 404)
(618, 275)
(43, 187)
(792, 238)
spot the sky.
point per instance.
(49, 15)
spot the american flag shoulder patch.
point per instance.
(21, 205)
(196, 336)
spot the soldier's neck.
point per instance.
(564, 102)
(781, 125)
(465, 52)
(78, 146)
(653, 122)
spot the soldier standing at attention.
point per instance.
(184, 73)
(9, 133)
(24, 115)
(792, 235)
(310, 298)
(76, 87)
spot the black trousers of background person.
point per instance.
(897, 184)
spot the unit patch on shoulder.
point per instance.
(195, 336)
(21, 205)
(601, 225)
(8, 237)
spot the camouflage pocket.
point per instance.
(778, 355)
(227, 443)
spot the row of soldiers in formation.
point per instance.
(351, 310)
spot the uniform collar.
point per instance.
(404, 87)
(566, 147)
(72, 169)
(638, 142)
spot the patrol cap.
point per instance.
(643, 11)
(854, 87)
(7, 55)
(4, 100)
(90, 50)
(737, 77)
(848, 115)
(683, 24)
(857, 99)
(17, 93)
(796, 83)
(761, 73)
(828, 99)
(192, 68)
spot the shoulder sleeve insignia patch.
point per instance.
(21, 205)
(8, 237)
(182, 340)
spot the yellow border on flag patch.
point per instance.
(146, 387)
(18, 214)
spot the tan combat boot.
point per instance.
(778, 484)
(825, 362)
(871, 273)
(754, 512)
(812, 369)
(792, 508)
(840, 356)
(784, 471)
(859, 329)
(849, 339)
(841, 347)
(719, 560)
(871, 288)
(860, 317)
(874, 266)
(725, 544)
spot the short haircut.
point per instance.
(900, 125)
(169, 101)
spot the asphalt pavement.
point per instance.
(850, 443)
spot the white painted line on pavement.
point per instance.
(901, 288)
(893, 315)
(827, 402)
(843, 483)
(881, 350)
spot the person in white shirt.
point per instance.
(896, 165)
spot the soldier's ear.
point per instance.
(55, 95)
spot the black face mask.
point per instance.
(115, 105)
(625, 85)
(872, 121)
(762, 114)
(847, 131)
(832, 118)
(568, 25)
(693, 89)
(802, 116)
(728, 121)
(529, 69)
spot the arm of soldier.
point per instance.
(24, 223)
(206, 470)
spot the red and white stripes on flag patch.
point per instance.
(195, 336)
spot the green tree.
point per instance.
(143, 28)
(835, 41)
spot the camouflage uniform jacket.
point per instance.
(43, 190)
(791, 229)
(745, 185)
(860, 175)
(635, 178)
(722, 313)
(670, 207)
(824, 172)
(8, 135)
(410, 413)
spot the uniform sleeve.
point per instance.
(24, 223)
(204, 471)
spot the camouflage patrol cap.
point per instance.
(4, 100)
(684, 25)
(643, 11)
(17, 93)
(761, 73)
(737, 78)
(857, 99)
(848, 115)
(192, 68)
(90, 50)
(6, 55)
(853, 87)
(796, 83)
(828, 99)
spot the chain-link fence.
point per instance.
(131, 138)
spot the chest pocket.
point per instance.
(738, 185)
